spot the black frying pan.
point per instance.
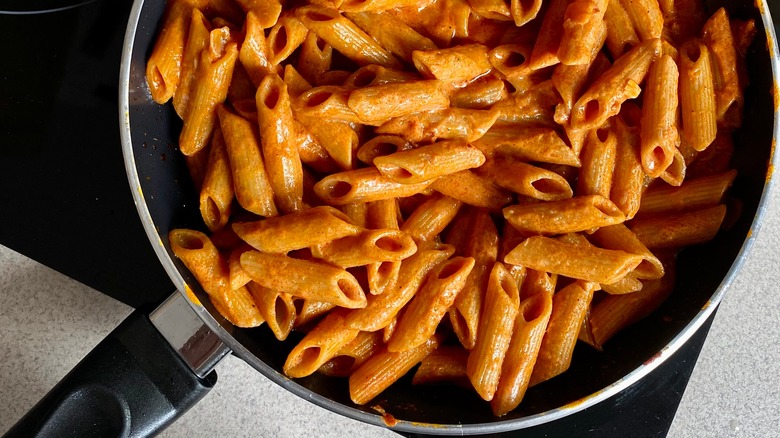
(134, 383)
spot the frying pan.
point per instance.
(159, 362)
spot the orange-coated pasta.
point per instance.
(371, 166)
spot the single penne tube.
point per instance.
(254, 54)
(370, 246)
(351, 356)
(447, 124)
(446, 364)
(384, 368)
(527, 334)
(380, 146)
(393, 34)
(209, 89)
(473, 189)
(584, 31)
(310, 310)
(382, 309)
(569, 308)
(315, 57)
(304, 229)
(545, 53)
(454, 65)
(510, 238)
(429, 162)
(675, 230)
(312, 153)
(267, 11)
(431, 218)
(216, 193)
(526, 179)
(621, 35)
(697, 96)
(619, 83)
(658, 130)
(568, 81)
(277, 130)
(320, 344)
(497, 320)
(720, 40)
(277, 309)
(285, 37)
(296, 83)
(197, 40)
(527, 143)
(524, 11)
(629, 176)
(250, 181)
(693, 194)
(345, 36)
(571, 215)
(481, 93)
(598, 163)
(584, 262)
(210, 269)
(477, 238)
(377, 104)
(363, 185)
(616, 312)
(163, 69)
(306, 279)
(621, 238)
(422, 315)
(646, 17)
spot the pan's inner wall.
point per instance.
(172, 202)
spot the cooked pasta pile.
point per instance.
(467, 186)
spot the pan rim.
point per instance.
(430, 428)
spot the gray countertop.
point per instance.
(48, 322)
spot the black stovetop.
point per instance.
(66, 203)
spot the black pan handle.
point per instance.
(132, 384)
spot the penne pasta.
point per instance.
(210, 269)
(305, 279)
(565, 216)
(250, 181)
(429, 162)
(375, 105)
(526, 179)
(209, 89)
(310, 227)
(384, 368)
(455, 65)
(345, 36)
(363, 185)
(367, 247)
(431, 218)
(583, 262)
(391, 33)
(494, 335)
(569, 308)
(277, 129)
(473, 189)
(216, 193)
(429, 305)
(659, 136)
(697, 96)
(680, 229)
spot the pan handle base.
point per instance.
(131, 384)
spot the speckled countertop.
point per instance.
(48, 322)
